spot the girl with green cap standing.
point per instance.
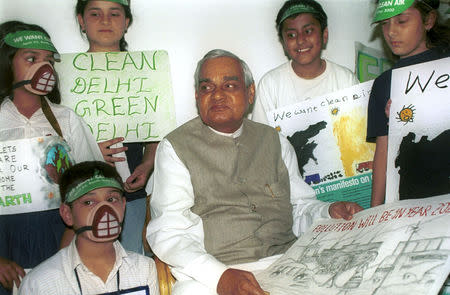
(412, 31)
(105, 23)
(30, 113)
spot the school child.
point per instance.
(303, 32)
(94, 262)
(105, 22)
(29, 108)
(413, 33)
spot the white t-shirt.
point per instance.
(14, 125)
(282, 87)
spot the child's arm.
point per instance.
(10, 273)
(379, 171)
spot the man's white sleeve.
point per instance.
(306, 208)
(175, 234)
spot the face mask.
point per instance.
(104, 223)
(39, 79)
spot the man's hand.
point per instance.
(108, 152)
(238, 282)
(344, 210)
(10, 272)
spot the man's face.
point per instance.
(222, 97)
(303, 39)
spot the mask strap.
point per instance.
(83, 229)
(50, 116)
(21, 83)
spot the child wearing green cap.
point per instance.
(95, 262)
(105, 22)
(303, 32)
(29, 109)
(413, 33)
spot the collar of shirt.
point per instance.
(75, 261)
(235, 134)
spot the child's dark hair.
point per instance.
(320, 15)
(83, 171)
(439, 34)
(81, 5)
(7, 54)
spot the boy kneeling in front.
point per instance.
(95, 262)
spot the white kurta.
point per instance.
(176, 234)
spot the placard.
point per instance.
(419, 131)
(397, 248)
(329, 137)
(120, 94)
(29, 173)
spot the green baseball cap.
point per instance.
(304, 7)
(30, 39)
(123, 2)
(95, 182)
(389, 8)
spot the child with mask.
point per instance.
(29, 108)
(95, 262)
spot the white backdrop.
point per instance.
(190, 28)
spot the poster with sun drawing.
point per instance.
(418, 163)
(29, 173)
(328, 134)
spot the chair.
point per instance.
(165, 278)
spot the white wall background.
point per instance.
(187, 29)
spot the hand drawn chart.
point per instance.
(399, 248)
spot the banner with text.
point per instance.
(29, 173)
(329, 137)
(120, 94)
(419, 131)
(397, 248)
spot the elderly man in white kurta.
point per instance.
(227, 190)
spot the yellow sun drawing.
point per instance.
(335, 111)
(406, 114)
(278, 128)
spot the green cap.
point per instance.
(123, 2)
(95, 182)
(301, 8)
(30, 39)
(389, 8)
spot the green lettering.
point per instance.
(92, 65)
(79, 83)
(116, 106)
(27, 198)
(9, 201)
(109, 62)
(99, 130)
(106, 87)
(92, 84)
(136, 130)
(130, 105)
(141, 85)
(126, 62)
(149, 129)
(148, 102)
(128, 83)
(75, 59)
(1, 202)
(85, 110)
(144, 60)
(99, 105)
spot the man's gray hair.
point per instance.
(248, 77)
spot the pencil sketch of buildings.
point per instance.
(408, 256)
